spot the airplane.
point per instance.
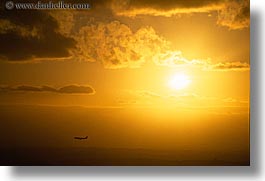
(80, 138)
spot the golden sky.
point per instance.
(148, 74)
(128, 54)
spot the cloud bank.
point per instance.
(228, 66)
(31, 34)
(69, 89)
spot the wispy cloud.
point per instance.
(228, 66)
(176, 58)
(151, 98)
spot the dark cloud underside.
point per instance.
(25, 35)
(69, 89)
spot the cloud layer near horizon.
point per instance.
(69, 89)
(147, 97)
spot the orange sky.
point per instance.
(129, 74)
(126, 54)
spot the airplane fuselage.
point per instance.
(80, 138)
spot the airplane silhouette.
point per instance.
(80, 138)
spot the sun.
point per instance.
(179, 81)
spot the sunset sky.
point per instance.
(128, 54)
(130, 74)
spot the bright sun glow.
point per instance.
(179, 81)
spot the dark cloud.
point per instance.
(76, 89)
(69, 89)
(27, 88)
(48, 89)
(228, 66)
(233, 14)
(31, 34)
